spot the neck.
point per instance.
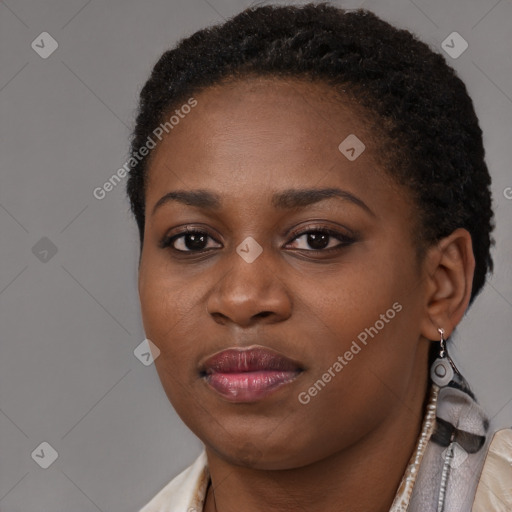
(362, 477)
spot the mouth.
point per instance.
(248, 374)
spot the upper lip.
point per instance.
(247, 359)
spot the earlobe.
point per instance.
(450, 265)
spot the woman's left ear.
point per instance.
(450, 265)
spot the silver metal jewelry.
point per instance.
(443, 368)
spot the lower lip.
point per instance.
(249, 386)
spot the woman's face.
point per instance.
(335, 316)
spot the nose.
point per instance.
(249, 293)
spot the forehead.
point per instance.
(246, 136)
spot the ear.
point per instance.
(450, 265)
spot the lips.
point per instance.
(248, 374)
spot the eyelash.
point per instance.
(345, 240)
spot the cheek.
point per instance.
(367, 314)
(157, 307)
(353, 296)
(170, 322)
(168, 307)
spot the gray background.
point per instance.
(70, 324)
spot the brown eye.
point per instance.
(322, 239)
(188, 241)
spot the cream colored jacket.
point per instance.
(186, 492)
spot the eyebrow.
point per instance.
(287, 199)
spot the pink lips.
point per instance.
(248, 375)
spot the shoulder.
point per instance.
(494, 491)
(184, 492)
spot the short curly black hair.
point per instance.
(432, 135)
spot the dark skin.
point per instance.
(347, 449)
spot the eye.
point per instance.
(319, 239)
(191, 240)
(322, 239)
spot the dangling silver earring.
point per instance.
(443, 368)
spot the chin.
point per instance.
(246, 451)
